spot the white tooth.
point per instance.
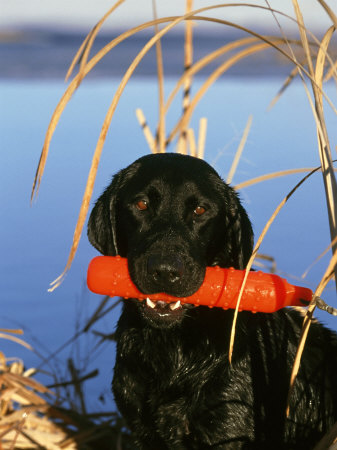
(150, 303)
(174, 306)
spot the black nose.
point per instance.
(165, 270)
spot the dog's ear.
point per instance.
(240, 233)
(235, 244)
(102, 223)
(102, 228)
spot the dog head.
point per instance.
(171, 215)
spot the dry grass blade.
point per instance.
(28, 420)
(146, 130)
(320, 63)
(191, 142)
(78, 56)
(16, 340)
(185, 119)
(184, 137)
(316, 80)
(239, 150)
(20, 380)
(332, 72)
(306, 47)
(329, 11)
(203, 62)
(331, 198)
(78, 78)
(105, 127)
(91, 64)
(50, 131)
(160, 145)
(304, 38)
(271, 176)
(202, 137)
(330, 188)
(329, 178)
(211, 57)
(69, 93)
(285, 85)
(188, 55)
(8, 330)
(84, 50)
(99, 147)
(328, 275)
(271, 41)
(74, 85)
(93, 170)
(334, 242)
(256, 249)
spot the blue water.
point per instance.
(35, 240)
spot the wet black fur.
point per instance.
(172, 380)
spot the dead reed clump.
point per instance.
(33, 416)
(24, 421)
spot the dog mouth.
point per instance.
(163, 308)
(162, 314)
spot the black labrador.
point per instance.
(171, 216)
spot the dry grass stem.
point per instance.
(188, 55)
(9, 337)
(74, 84)
(304, 39)
(8, 330)
(271, 176)
(183, 123)
(185, 119)
(31, 415)
(328, 275)
(272, 41)
(99, 147)
(188, 48)
(202, 137)
(283, 88)
(89, 66)
(256, 249)
(203, 62)
(192, 142)
(239, 150)
(324, 146)
(317, 110)
(59, 109)
(332, 72)
(305, 273)
(329, 11)
(146, 130)
(84, 50)
(329, 183)
(160, 145)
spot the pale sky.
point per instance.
(85, 13)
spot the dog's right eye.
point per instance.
(141, 205)
(199, 210)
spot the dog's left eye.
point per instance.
(199, 210)
(142, 205)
